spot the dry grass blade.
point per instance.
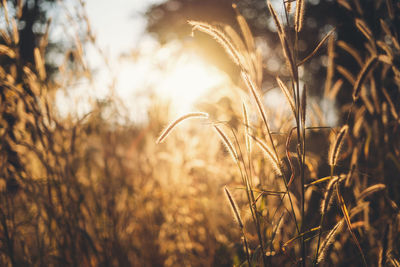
(347, 74)
(20, 4)
(173, 124)
(15, 32)
(277, 227)
(364, 29)
(251, 86)
(348, 222)
(298, 236)
(375, 96)
(335, 89)
(316, 49)
(236, 40)
(287, 94)
(370, 190)
(358, 7)
(391, 104)
(234, 207)
(321, 180)
(31, 78)
(345, 4)
(288, 56)
(384, 248)
(351, 50)
(385, 47)
(220, 37)
(367, 102)
(368, 66)
(389, 5)
(303, 106)
(299, 15)
(335, 231)
(393, 260)
(5, 7)
(385, 27)
(247, 127)
(335, 147)
(227, 143)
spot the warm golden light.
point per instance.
(189, 79)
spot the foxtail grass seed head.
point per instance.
(330, 238)
(336, 146)
(328, 194)
(271, 156)
(368, 66)
(234, 207)
(284, 42)
(173, 124)
(227, 143)
(276, 20)
(287, 94)
(288, 5)
(220, 37)
(318, 47)
(299, 16)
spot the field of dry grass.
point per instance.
(241, 184)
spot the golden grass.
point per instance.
(87, 192)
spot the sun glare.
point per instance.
(187, 81)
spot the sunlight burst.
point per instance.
(187, 81)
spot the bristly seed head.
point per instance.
(335, 147)
(234, 207)
(171, 126)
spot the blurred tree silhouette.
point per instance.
(33, 20)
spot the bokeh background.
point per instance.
(87, 87)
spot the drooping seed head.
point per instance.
(336, 146)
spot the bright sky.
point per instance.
(120, 29)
